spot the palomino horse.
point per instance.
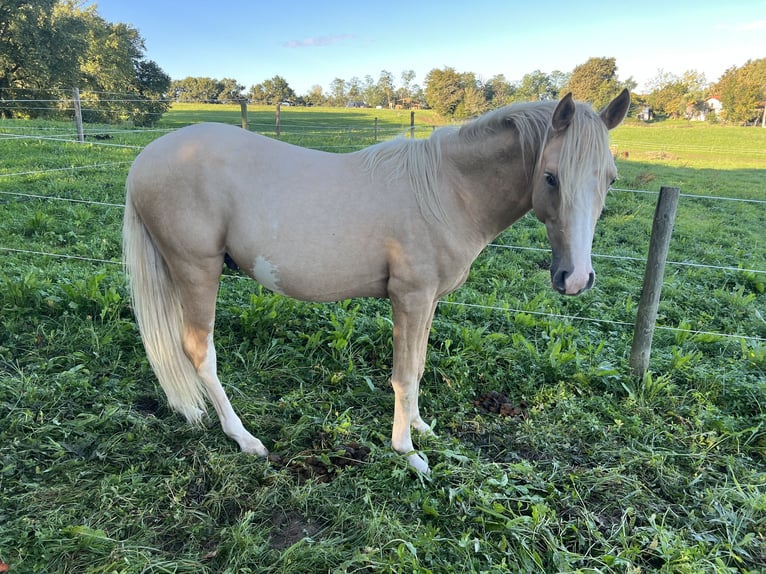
(402, 219)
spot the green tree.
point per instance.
(337, 92)
(595, 81)
(536, 86)
(316, 96)
(39, 47)
(272, 91)
(49, 46)
(230, 90)
(499, 91)
(354, 89)
(742, 91)
(196, 89)
(370, 92)
(444, 90)
(667, 95)
(386, 88)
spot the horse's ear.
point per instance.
(616, 111)
(564, 113)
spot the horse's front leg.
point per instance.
(412, 322)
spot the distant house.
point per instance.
(713, 104)
(701, 111)
(645, 113)
(357, 104)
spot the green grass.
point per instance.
(594, 471)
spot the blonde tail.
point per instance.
(158, 311)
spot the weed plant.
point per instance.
(588, 469)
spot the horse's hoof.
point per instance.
(418, 464)
(251, 445)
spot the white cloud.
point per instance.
(318, 41)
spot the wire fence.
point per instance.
(44, 134)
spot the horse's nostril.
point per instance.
(559, 280)
(591, 280)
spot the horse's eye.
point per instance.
(551, 179)
(611, 183)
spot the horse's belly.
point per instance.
(313, 280)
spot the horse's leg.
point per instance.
(413, 313)
(417, 422)
(198, 295)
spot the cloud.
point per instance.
(754, 25)
(318, 41)
(751, 26)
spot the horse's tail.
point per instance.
(159, 314)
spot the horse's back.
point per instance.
(310, 224)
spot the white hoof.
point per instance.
(420, 425)
(251, 445)
(418, 464)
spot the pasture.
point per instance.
(549, 456)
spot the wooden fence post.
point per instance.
(646, 316)
(376, 129)
(243, 108)
(279, 108)
(78, 115)
(412, 125)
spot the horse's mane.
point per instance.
(419, 160)
(584, 143)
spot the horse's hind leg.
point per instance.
(198, 296)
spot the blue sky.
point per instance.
(312, 43)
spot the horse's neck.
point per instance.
(492, 192)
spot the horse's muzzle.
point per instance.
(559, 282)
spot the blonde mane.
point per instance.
(585, 144)
(417, 159)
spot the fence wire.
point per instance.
(314, 130)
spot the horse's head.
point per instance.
(570, 184)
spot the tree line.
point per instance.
(460, 95)
(47, 46)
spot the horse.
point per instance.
(402, 220)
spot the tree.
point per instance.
(354, 89)
(499, 91)
(230, 90)
(444, 90)
(315, 96)
(667, 95)
(370, 93)
(39, 44)
(337, 92)
(386, 87)
(595, 81)
(49, 46)
(743, 91)
(536, 86)
(196, 89)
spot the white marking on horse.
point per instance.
(266, 273)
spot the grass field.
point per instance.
(549, 455)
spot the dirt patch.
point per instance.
(497, 403)
(289, 528)
(323, 465)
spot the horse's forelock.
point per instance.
(585, 150)
(585, 146)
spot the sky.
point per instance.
(312, 43)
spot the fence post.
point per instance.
(646, 316)
(243, 107)
(279, 108)
(412, 125)
(78, 115)
(376, 129)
